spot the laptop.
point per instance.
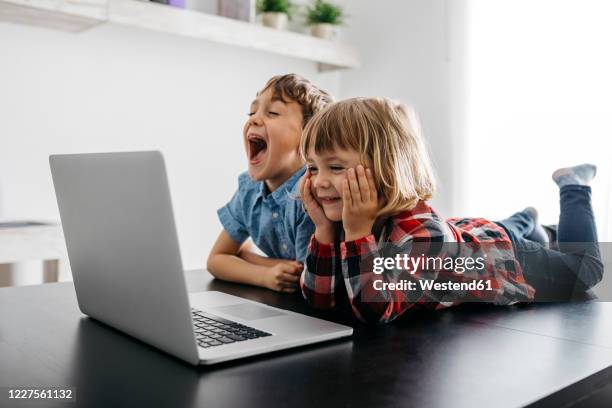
(124, 254)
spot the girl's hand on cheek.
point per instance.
(360, 203)
(324, 227)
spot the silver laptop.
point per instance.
(122, 244)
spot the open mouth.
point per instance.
(329, 200)
(257, 148)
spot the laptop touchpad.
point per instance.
(248, 311)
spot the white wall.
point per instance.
(539, 99)
(507, 90)
(413, 51)
(118, 89)
(114, 88)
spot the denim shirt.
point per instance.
(275, 221)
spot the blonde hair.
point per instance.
(388, 135)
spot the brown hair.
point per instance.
(296, 88)
(388, 135)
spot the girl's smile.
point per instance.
(328, 200)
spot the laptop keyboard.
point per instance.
(211, 330)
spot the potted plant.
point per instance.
(323, 18)
(275, 13)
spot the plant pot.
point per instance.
(323, 30)
(275, 20)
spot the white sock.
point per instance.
(577, 175)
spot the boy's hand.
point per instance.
(283, 277)
(360, 203)
(324, 227)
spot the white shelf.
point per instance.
(79, 15)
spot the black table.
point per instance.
(470, 356)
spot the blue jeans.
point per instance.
(576, 266)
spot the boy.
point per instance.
(265, 207)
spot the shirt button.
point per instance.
(284, 246)
(275, 214)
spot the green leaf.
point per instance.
(275, 6)
(324, 12)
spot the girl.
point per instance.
(365, 189)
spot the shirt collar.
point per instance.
(283, 192)
(420, 207)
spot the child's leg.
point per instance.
(577, 233)
(525, 224)
(521, 223)
(577, 266)
(576, 220)
(576, 230)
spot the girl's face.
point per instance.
(328, 171)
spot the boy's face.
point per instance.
(328, 170)
(272, 138)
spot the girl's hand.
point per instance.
(360, 203)
(324, 227)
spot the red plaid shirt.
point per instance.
(350, 263)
